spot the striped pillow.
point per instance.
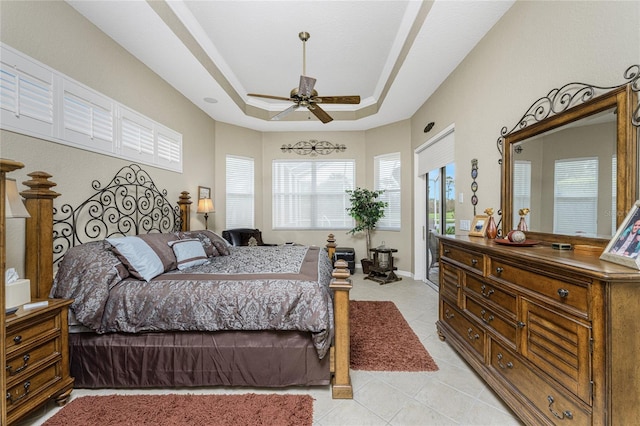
(188, 252)
(145, 256)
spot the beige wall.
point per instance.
(536, 46)
(54, 33)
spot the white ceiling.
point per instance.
(394, 53)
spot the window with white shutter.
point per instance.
(312, 194)
(521, 190)
(576, 196)
(387, 177)
(239, 192)
(88, 118)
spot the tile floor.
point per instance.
(454, 395)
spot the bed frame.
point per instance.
(132, 204)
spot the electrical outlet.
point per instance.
(465, 225)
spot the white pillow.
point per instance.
(188, 252)
(139, 255)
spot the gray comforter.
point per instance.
(253, 288)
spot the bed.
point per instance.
(196, 311)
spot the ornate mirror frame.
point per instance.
(566, 105)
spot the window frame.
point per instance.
(393, 210)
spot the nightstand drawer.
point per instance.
(30, 388)
(23, 362)
(21, 335)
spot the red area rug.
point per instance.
(382, 340)
(192, 410)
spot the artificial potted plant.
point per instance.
(367, 210)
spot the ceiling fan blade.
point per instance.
(284, 113)
(306, 85)
(320, 113)
(337, 99)
(280, 98)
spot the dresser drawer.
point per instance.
(566, 293)
(492, 292)
(505, 328)
(21, 363)
(468, 331)
(22, 335)
(32, 387)
(549, 401)
(473, 261)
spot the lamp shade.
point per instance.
(205, 205)
(14, 205)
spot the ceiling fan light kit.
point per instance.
(305, 95)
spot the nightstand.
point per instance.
(37, 348)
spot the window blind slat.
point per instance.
(239, 192)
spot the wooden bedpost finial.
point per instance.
(185, 211)
(39, 186)
(331, 246)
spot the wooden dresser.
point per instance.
(37, 354)
(556, 334)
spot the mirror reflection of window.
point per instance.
(521, 189)
(576, 197)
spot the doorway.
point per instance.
(440, 217)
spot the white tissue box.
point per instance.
(17, 293)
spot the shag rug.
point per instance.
(193, 410)
(382, 340)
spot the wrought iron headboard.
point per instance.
(130, 204)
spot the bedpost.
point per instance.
(331, 246)
(39, 233)
(340, 352)
(185, 210)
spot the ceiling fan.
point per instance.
(305, 96)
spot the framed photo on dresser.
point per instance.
(479, 226)
(624, 247)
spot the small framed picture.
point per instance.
(204, 192)
(624, 247)
(479, 226)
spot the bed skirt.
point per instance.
(189, 359)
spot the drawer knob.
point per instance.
(563, 292)
(499, 270)
(503, 366)
(471, 335)
(486, 293)
(12, 400)
(25, 359)
(474, 262)
(565, 414)
(447, 251)
(520, 324)
(448, 315)
(17, 340)
(486, 320)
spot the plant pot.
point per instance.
(366, 264)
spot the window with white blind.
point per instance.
(239, 192)
(576, 196)
(312, 194)
(521, 189)
(39, 101)
(387, 178)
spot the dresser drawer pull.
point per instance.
(565, 414)
(17, 340)
(26, 392)
(486, 293)
(520, 324)
(499, 270)
(21, 368)
(503, 366)
(474, 262)
(471, 335)
(447, 251)
(563, 292)
(448, 315)
(486, 320)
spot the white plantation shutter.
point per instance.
(88, 118)
(311, 194)
(239, 192)
(26, 95)
(521, 189)
(576, 196)
(38, 101)
(387, 177)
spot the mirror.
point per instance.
(576, 171)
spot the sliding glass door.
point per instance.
(440, 213)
